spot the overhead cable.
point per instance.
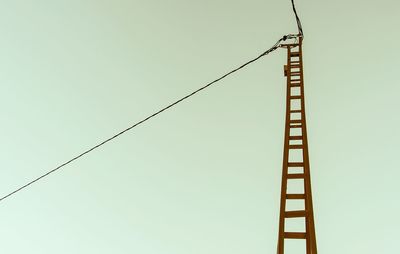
(300, 28)
(274, 47)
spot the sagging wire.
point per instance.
(134, 125)
(299, 26)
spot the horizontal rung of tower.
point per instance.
(294, 54)
(295, 235)
(296, 146)
(295, 214)
(295, 176)
(295, 164)
(295, 196)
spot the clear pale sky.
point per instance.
(205, 176)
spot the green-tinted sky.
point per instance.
(204, 177)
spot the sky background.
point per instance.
(205, 176)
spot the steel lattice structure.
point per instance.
(296, 165)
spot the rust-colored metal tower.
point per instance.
(296, 166)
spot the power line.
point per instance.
(273, 48)
(300, 28)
